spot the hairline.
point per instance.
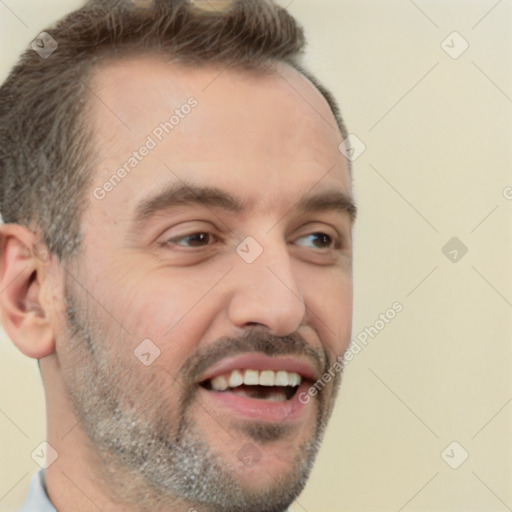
(264, 67)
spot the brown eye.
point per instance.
(316, 241)
(201, 239)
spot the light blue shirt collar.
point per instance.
(37, 499)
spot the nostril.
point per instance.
(254, 324)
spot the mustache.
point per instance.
(254, 341)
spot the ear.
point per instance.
(23, 263)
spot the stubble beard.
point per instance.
(154, 458)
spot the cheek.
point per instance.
(171, 307)
(330, 299)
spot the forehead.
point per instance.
(248, 130)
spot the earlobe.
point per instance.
(21, 274)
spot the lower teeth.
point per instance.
(269, 396)
(268, 393)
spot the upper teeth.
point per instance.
(254, 377)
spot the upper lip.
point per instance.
(255, 361)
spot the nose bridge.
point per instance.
(266, 289)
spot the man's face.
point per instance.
(220, 255)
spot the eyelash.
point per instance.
(176, 240)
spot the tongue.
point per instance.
(269, 393)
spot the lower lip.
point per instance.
(262, 410)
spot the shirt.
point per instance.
(37, 499)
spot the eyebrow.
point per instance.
(335, 200)
(215, 198)
(187, 194)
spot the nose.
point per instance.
(266, 293)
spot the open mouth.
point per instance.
(267, 385)
(259, 387)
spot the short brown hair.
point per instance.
(45, 146)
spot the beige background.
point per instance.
(438, 159)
